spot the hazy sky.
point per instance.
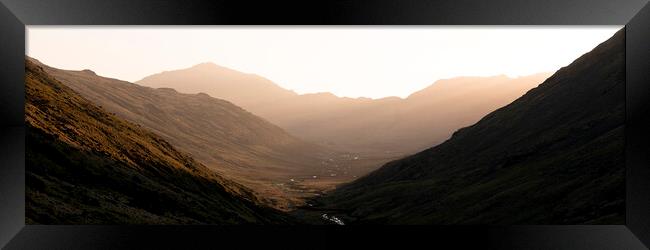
(374, 61)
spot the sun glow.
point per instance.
(374, 61)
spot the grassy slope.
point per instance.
(86, 166)
(217, 133)
(553, 156)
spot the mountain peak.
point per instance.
(206, 65)
(243, 89)
(87, 71)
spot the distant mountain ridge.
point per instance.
(86, 166)
(553, 156)
(387, 127)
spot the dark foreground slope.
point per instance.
(86, 166)
(553, 156)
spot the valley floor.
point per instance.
(287, 191)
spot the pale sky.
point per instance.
(357, 61)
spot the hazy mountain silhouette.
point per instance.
(396, 125)
(245, 90)
(553, 156)
(225, 137)
(388, 126)
(86, 166)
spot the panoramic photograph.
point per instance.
(325, 125)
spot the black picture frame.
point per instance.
(15, 14)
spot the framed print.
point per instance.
(202, 124)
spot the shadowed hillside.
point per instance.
(86, 166)
(553, 156)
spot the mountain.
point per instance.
(243, 89)
(86, 166)
(226, 138)
(394, 126)
(385, 127)
(553, 156)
